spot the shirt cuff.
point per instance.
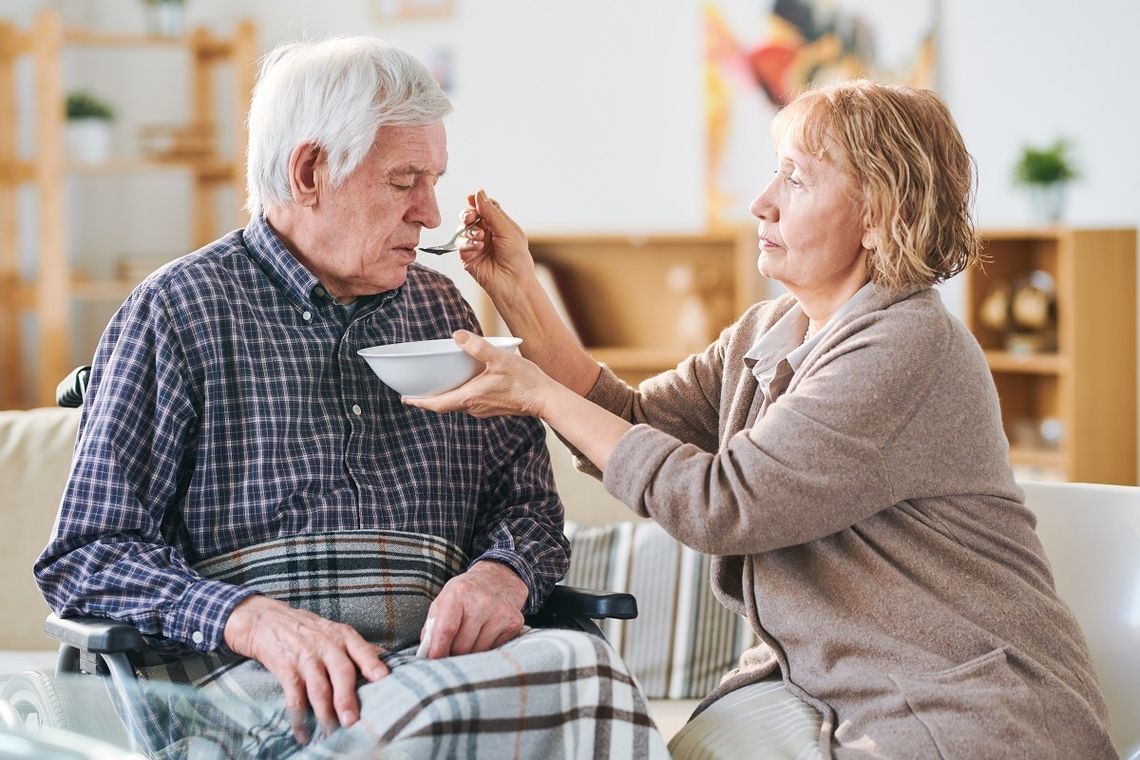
(535, 596)
(199, 617)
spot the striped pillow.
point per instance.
(683, 639)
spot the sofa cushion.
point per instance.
(683, 639)
(35, 455)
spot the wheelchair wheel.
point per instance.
(77, 704)
(36, 701)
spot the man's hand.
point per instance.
(477, 611)
(315, 660)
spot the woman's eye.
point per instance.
(793, 180)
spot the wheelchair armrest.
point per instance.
(572, 601)
(91, 634)
(71, 389)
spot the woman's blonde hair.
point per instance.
(907, 157)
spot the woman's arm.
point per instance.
(496, 254)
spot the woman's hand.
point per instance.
(495, 250)
(510, 385)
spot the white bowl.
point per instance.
(426, 367)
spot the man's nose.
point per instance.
(425, 207)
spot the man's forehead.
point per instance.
(420, 149)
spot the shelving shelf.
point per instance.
(617, 292)
(1084, 392)
(49, 294)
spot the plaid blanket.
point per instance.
(547, 694)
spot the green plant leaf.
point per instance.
(1045, 166)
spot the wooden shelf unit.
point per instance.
(48, 294)
(1087, 387)
(617, 295)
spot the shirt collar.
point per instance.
(785, 339)
(298, 283)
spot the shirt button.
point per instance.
(197, 637)
(319, 291)
(307, 316)
(357, 410)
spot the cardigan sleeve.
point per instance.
(810, 466)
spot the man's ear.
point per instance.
(306, 169)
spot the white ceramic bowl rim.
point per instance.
(431, 347)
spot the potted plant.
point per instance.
(165, 18)
(88, 130)
(1045, 173)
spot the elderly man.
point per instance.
(248, 494)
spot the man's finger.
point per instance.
(443, 634)
(342, 674)
(319, 689)
(296, 707)
(464, 640)
(367, 659)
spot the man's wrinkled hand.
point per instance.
(315, 660)
(477, 611)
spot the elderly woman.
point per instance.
(838, 449)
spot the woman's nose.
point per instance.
(764, 205)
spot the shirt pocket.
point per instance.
(981, 708)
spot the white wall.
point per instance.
(588, 115)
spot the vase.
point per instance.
(88, 140)
(165, 18)
(1047, 202)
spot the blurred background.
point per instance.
(628, 121)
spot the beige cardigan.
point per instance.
(869, 527)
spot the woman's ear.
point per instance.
(306, 165)
(871, 238)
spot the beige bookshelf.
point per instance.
(1085, 386)
(47, 297)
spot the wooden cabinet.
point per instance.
(43, 298)
(642, 304)
(1067, 390)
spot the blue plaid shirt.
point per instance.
(228, 406)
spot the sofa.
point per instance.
(613, 548)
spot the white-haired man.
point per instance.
(246, 489)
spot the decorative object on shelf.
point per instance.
(1070, 412)
(88, 130)
(177, 142)
(701, 313)
(165, 18)
(1046, 173)
(1024, 312)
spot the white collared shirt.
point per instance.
(777, 354)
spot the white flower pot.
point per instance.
(1048, 202)
(88, 140)
(165, 18)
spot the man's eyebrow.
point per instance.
(414, 169)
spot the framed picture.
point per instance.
(411, 10)
(755, 62)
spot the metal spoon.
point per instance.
(450, 245)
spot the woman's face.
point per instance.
(812, 230)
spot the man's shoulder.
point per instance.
(211, 264)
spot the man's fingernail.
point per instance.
(482, 195)
(377, 674)
(347, 718)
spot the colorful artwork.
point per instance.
(758, 58)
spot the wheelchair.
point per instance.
(35, 700)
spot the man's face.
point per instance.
(369, 226)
